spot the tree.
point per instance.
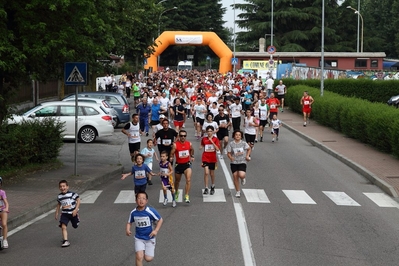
(38, 36)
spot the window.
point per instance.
(360, 63)
(374, 63)
(90, 111)
(47, 111)
(69, 110)
(329, 63)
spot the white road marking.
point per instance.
(21, 227)
(169, 196)
(298, 197)
(89, 196)
(217, 197)
(341, 198)
(126, 196)
(256, 195)
(246, 246)
(382, 200)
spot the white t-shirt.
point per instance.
(269, 83)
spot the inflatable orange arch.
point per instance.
(192, 38)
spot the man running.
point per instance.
(223, 121)
(306, 102)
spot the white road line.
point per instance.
(256, 195)
(382, 200)
(126, 196)
(298, 197)
(21, 227)
(217, 197)
(89, 196)
(246, 246)
(169, 196)
(341, 198)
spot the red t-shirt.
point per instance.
(273, 104)
(209, 154)
(182, 152)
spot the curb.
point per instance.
(51, 204)
(358, 168)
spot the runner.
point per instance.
(306, 102)
(132, 131)
(239, 153)
(264, 114)
(200, 111)
(211, 145)
(281, 90)
(223, 122)
(273, 105)
(209, 122)
(179, 114)
(166, 137)
(184, 152)
(235, 113)
(250, 125)
(275, 124)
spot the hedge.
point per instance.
(376, 124)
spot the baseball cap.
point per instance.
(162, 116)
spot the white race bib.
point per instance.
(142, 221)
(166, 141)
(139, 174)
(209, 148)
(184, 154)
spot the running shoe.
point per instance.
(220, 156)
(304, 124)
(65, 244)
(238, 194)
(256, 140)
(165, 201)
(212, 190)
(243, 181)
(149, 182)
(206, 191)
(225, 152)
(261, 139)
(146, 134)
(273, 140)
(5, 243)
(277, 138)
(177, 194)
(187, 198)
(173, 203)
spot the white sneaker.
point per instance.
(165, 201)
(173, 203)
(238, 194)
(243, 181)
(220, 156)
(225, 152)
(5, 243)
(273, 140)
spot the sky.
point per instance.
(229, 16)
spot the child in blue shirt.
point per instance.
(149, 153)
(139, 172)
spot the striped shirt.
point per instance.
(67, 201)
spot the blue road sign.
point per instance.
(75, 73)
(234, 61)
(271, 49)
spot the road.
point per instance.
(300, 206)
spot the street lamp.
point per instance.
(159, 24)
(361, 18)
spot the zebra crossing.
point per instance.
(339, 198)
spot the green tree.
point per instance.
(38, 36)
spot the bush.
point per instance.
(32, 141)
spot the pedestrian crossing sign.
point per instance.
(75, 73)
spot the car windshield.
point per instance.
(37, 107)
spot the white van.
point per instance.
(185, 65)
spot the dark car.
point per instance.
(118, 101)
(394, 100)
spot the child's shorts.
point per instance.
(66, 217)
(147, 245)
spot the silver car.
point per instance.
(93, 121)
(107, 106)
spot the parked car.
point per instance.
(93, 121)
(107, 106)
(118, 101)
(394, 100)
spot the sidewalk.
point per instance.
(36, 193)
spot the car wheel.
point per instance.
(114, 123)
(87, 134)
(117, 122)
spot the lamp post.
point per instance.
(361, 18)
(234, 38)
(322, 51)
(271, 27)
(159, 25)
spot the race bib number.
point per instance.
(166, 141)
(164, 171)
(263, 115)
(272, 106)
(66, 203)
(238, 151)
(142, 221)
(134, 135)
(139, 174)
(306, 102)
(209, 148)
(184, 154)
(236, 113)
(223, 122)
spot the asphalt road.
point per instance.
(300, 207)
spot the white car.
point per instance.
(109, 109)
(93, 120)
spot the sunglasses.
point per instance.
(183, 136)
